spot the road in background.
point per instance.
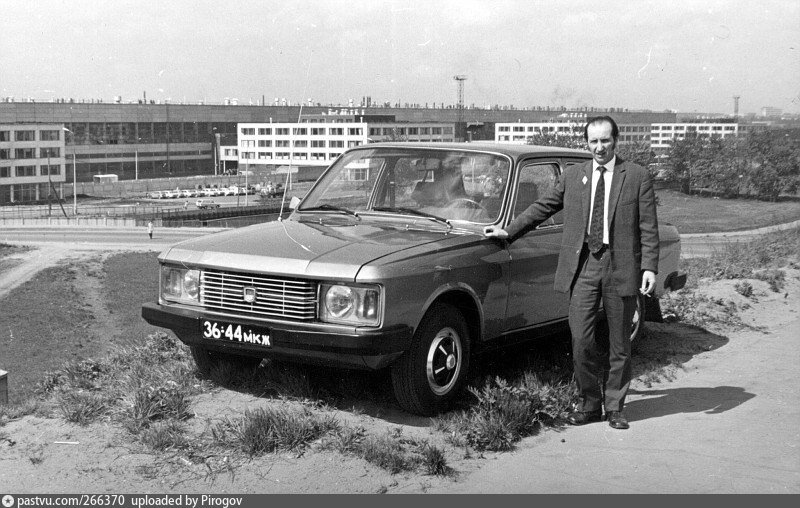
(101, 238)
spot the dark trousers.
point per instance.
(602, 371)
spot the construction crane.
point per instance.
(460, 78)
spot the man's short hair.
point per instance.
(601, 119)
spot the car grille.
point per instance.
(275, 297)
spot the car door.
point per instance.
(534, 257)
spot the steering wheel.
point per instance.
(477, 209)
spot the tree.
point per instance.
(638, 152)
(773, 163)
(682, 155)
(570, 139)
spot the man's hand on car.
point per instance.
(495, 232)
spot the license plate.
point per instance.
(235, 333)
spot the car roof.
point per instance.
(510, 149)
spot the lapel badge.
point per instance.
(584, 179)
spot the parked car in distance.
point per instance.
(168, 194)
(272, 190)
(154, 194)
(383, 264)
(210, 192)
(205, 204)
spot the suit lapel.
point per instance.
(616, 188)
(586, 196)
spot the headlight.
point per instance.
(357, 305)
(180, 284)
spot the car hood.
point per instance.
(326, 250)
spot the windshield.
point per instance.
(441, 184)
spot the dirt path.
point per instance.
(29, 263)
(726, 423)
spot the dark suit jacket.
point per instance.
(633, 224)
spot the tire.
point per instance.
(208, 361)
(432, 372)
(637, 324)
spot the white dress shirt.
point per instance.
(607, 176)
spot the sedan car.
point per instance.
(383, 264)
(206, 204)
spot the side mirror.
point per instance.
(294, 202)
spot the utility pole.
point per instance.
(460, 78)
(736, 108)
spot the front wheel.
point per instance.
(431, 373)
(208, 361)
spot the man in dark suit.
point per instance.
(609, 251)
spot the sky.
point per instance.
(683, 55)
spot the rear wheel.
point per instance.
(208, 361)
(431, 373)
(637, 323)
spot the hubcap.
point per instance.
(444, 361)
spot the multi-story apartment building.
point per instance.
(662, 134)
(659, 135)
(521, 133)
(31, 162)
(280, 145)
(411, 131)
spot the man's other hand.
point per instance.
(495, 232)
(648, 282)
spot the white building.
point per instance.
(662, 134)
(31, 157)
(410, 131)
(296, 144)
(520, 133)
(659, 135)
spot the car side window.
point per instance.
(535, 181)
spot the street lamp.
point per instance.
(74, 176)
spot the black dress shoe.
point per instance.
(584, 417)
(617, 420)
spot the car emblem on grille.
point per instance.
(249, 294)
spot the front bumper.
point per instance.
(362, 349)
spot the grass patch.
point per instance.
(164, 436)
(270, 429)
(10, 412)
(150, 404)
(130, 279)
(721, 214)
(34, 342)
(135, 386)
(390, 451)
(739, 260)
(700, 310)
(504, 413)
(83, 408)
(762, 259)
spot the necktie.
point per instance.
(598, 212)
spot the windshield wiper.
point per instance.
(412, 211)
(329, 208)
